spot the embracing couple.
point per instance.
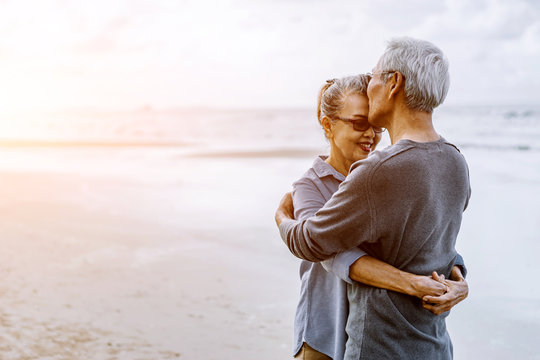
(377, 230)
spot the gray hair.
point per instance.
(424, 67)
(332, 95)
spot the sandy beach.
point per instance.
(139, 264)
(162, 253)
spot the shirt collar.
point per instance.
(322, 168)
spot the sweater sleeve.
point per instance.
(343, 223)
(461, 263)
(307, 200)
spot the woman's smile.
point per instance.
(366, 146)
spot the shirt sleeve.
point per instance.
(340, 263)
(307, 199)
(343, 223)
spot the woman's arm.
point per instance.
(374, 272)
(368, 270)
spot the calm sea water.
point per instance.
(497, 128)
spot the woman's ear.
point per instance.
(327, 126)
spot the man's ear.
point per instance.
(327, 126)
(396, 83)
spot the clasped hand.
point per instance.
(458, 290)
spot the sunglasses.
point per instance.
(362, 125)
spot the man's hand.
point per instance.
(285, 209)
(458, 290)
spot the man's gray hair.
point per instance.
(424, 67)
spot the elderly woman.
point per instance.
(321, 316)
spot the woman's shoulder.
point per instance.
(308, 178)
(311, 189)
(318, 171)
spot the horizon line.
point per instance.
(151, 108)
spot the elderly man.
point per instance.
(403, 205)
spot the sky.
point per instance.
(120, 54)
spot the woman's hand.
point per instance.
(285, 209)
(458, 290)
(426, 286)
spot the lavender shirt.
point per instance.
(323, 308)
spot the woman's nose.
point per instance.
(370, 132)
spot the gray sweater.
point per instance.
(402, 205)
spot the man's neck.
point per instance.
(412, 125)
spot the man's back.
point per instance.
(417, 194)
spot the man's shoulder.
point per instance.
(379, 158)
(408, 156)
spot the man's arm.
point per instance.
(344, 222)
(355, 264)
(307, 199)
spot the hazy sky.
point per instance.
(116, 54)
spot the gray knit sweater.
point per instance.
(403, 205)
